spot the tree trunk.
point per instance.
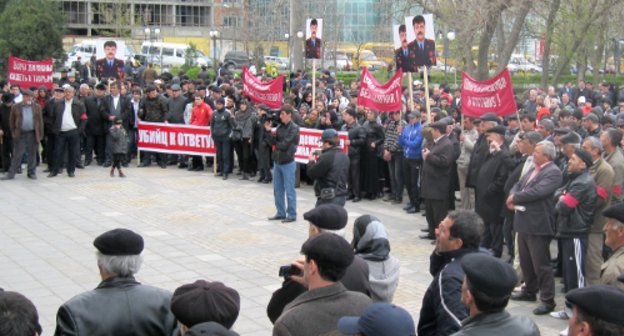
(550, 27)
(514, 35)
(485, 40)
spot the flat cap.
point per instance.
(329, 248)
(592, 117)
(570, 138)
(27, 92)
(479, 268)
(615, 211)
(328, 217)
(220, 101)
(532, 137)
(263, 107)
(203, 301)
(119, 242)
(490, 116)
(585, 156)
(329, 134)
(603, 302)
(497, 129)
(562, 130)
(176, 87)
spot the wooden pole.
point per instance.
(426, 81)
(313, 83)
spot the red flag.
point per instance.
(383, 98)
(269, 93)
(30, 73)
(491, 95)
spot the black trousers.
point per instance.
(95, 143)
(68, 142)
(436, 210)
(243, 152)
(411, 173)
(7, 151)
(224, 155)
(534, 253)
(573, 252)
(354, 176)
(51, 144)
(493, 237)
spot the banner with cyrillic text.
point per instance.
(383, 98)
(269, 93)
(27, 73)
(491, 95)
(175, 139)
(310, 142)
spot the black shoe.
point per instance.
(88, 162)
(424, 230)
(19, 170)
(276, 217)
(267, 181)
(356, 199)
(219, 175)
(52, 175)
(429, 237)
(32, 176)
(71, 174)
(543, 309)
(396, 201)
(260, 179)
(225, 177)
(46, 170)
(289, 220)
(409, 206)
(412, 210)
(80, 166)
(524, 296)
(350, 197)
(163, 165)
(107, 164)
(182, 165)
(144, 164)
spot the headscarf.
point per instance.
(370, 239)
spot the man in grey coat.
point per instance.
(317, 311)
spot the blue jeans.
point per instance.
(284, 183)
(224, 150)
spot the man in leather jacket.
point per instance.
(487, 297)
(119, 305)
(329, 170)
(356, 143)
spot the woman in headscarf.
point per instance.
(370, 241)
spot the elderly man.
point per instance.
(596, 310)
(611, 139)
(487, 297)
(442, 310)
(119, 305)
(330, 218)
(26, 124)
(317, 311)
(69, 121)
(533, 202)
(205, 308)
(614, 239)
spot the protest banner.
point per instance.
(269, 93)
(175, 139)
(383, 98)
(492, 95)
(27, 73)
(310, 141)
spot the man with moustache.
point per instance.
(423, 49)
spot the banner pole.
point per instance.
(137, 142)
(426, 81)
(411, 93)
(313, 83)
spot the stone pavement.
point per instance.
(195, 226)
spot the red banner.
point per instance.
(492, 95)
(27, 73)
(269, 93)
(310, 141)
(383, 98)
(175, 138)
(196, 140)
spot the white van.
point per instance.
(171, 54)
(85, 50)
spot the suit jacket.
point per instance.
(490, 190)
(16, 117)
(435, 182)
(403, 61)
(104, 71)
(125, 110)
(537, 196)
(313, 51)
(78, 113)
(612, 268)
(95, 123)
(317, 311)
(420, 57)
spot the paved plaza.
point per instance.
(195, 226)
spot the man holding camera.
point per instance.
(329, 168)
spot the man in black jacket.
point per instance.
(356, 142)
(442, 310)
(95, 129)
(220, 129)
(329, 170)
(152, 108)
(69, 121)
(286, 140)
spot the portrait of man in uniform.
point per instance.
(422, 47)
(109, 66)
(313, 39)
(402, 56)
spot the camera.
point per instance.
(286, 271)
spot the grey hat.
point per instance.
(490, 116)
(413, 115)
(176, 87)
(27, 93)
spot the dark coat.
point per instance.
(490, 190)
(420, 58)
(119, 140)
(436, 173)
(492, 325)
(15, 120)
(96, 125)
(286, 140)
(575, 206)
(313, 51)
(153, 110)
(355, 279)
(357, 138)
(479, 153)
(125, 106)
(104, 71)
(537, 196)
(403, 61)
(331, 170)
(118, 306)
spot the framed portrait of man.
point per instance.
(314, 35)
(421, 36)
(403, 59)
(110, 55)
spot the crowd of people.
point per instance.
(495, 191)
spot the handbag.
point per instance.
(236, 134)
(328, 194)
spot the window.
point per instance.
(167, 52)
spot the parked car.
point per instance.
(280, 62)
(235, 59)
(440, 67)
(172, 54)
(337, 60)
(517, 63)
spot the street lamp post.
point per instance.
(299, 48)
(153, 33)
(214, 34)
